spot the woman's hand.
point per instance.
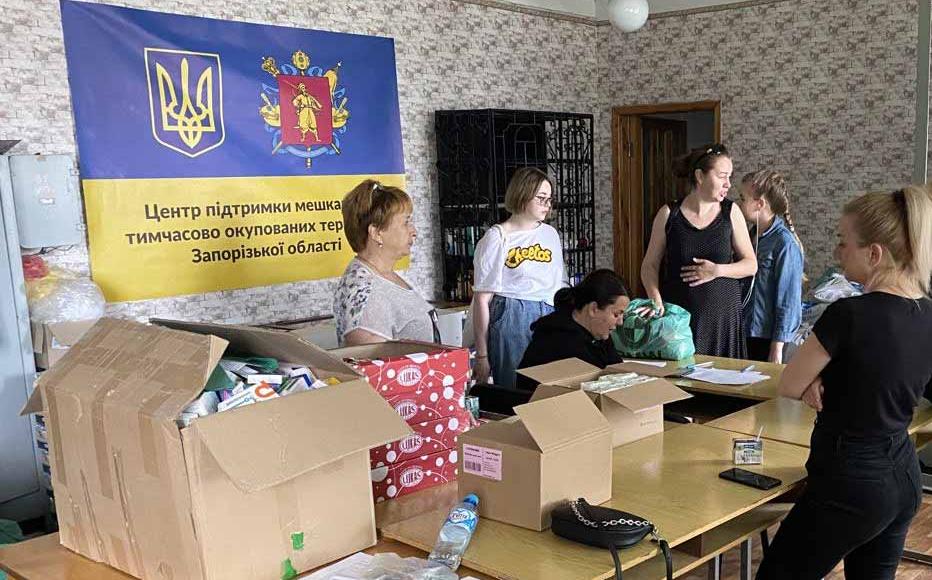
(703, 271)
(813, 394)
(651, 311)
(776, 353)
(481, 370)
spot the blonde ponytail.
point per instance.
(918, 202)
(901, 223)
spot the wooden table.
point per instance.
(791, 421)
(670, 478)
(43, 558)
(762, 391)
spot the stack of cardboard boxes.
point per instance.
(247, 493)
(426, 384)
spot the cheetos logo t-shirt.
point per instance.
(527, 265)
(517, 255)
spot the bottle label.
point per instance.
(463, 517)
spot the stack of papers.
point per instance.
(724, 377)
(613, 382)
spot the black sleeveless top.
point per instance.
(715, 306)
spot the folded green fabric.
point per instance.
(10, 532)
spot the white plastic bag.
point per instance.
(835, 288)
(387, 566)
(61, 296)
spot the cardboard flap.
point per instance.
(566, 369)
(548, 391)
(559, 420)
(271, 442)
(647, 370)
(388, 349)
(69, 333)
(255, 341)
(146, 369)
(34, 404)
(647, 395)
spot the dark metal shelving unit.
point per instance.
(477, 153)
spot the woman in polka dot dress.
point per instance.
(702, 248)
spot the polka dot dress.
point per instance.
(715, 306)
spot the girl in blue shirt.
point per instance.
(774, 309)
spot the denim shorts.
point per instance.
(509, 334)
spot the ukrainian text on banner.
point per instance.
(214, 154)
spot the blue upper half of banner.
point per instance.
(162, 95)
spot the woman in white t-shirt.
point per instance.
(518, 267)
(373, 303)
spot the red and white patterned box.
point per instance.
(421, 381)
(428, 437)
(398, 479)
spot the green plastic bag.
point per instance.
(668, 337)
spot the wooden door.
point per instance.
(664, 140)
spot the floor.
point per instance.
(919, 539)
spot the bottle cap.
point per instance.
(471, 498)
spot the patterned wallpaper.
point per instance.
(449, 55)
(821, 90)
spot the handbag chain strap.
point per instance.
(574, 505)
(654, 532)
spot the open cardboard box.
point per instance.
(633, 412)
(50, 341)
(555, 449)
(263, 491)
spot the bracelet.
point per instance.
(478, 356)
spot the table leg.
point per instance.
(715, 567)
(746, 560)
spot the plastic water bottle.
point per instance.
(456, 532)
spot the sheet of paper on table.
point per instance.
(725, 377)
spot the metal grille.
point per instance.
(477, 153)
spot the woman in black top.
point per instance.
(580, 326)
(863, 369)
(705, 249)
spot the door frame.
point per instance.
(628, 181)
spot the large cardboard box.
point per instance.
(555, 449)
(633, 412)
(422, 381)
(262, 491)
(51, 341)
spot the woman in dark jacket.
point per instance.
(580, 326)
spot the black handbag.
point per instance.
(606, 528)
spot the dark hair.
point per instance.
(601, 286)
(702, 158)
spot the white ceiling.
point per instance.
(596, 8)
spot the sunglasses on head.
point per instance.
(714, 150)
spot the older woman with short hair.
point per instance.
(373, 303)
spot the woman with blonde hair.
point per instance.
(863, 368)
(774, 306)
(373, 303)
(518, 269)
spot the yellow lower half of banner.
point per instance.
(151, 238)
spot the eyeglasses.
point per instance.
(543, 200)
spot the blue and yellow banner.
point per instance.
(214, 154)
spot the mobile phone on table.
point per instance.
(745, 477)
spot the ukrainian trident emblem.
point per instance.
(185, 99)
(305, 109)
